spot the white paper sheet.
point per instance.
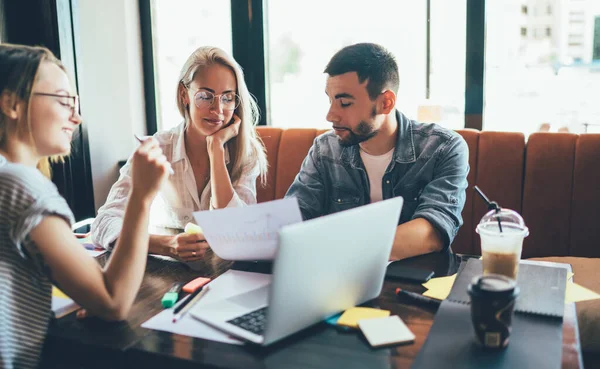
(250, 232)
(62, 306)
(228, 284)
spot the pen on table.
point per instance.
(418, 297)
(185, 306)
(171, 171)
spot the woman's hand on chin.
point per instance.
(217, 140)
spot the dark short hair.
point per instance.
(371, 62)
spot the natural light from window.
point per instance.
(179, 27)
(542, 66)
(302, 39)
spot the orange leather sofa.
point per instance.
(553, 180)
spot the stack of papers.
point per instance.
(230, 283)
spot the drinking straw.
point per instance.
(492, 205)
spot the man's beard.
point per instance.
(363, 132)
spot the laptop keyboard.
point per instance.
(253, 322)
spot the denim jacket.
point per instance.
(429, 170)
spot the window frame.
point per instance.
(248, 41)
(55, 29)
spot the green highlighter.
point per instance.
(172, 295)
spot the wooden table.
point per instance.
(93, 343)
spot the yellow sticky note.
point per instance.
(576, 293)
(192, 228)
(351, 316)
(439, 288)
(440, 282)
(570, 275)
(440, 294)
(58, 293)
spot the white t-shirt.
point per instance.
(376, 166)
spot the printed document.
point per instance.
(250, 232)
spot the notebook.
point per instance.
(535, 342)
(62, 304)
(386, 331)
(536, 336)
(542, 288)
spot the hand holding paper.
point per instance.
(250, 232)
(192, 228)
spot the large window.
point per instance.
(545, 83)
(446, 102)
(302, 39)
(179, 27)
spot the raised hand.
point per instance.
(149, 169)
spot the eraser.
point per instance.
(195, 284)
(192, 228)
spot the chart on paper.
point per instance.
(263, 228)
(250, 232)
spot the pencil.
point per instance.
(185, 306)
(171, 171)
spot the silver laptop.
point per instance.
(323, 266)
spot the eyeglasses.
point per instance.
(204, 99)
(68, 101)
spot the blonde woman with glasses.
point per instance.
(38, 115)
(215, 154)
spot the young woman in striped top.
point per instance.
(38, 115)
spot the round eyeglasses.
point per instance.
(68, 101)
(228, 100)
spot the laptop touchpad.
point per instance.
(251, 299)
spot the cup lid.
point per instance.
(505, 215)
(493, 284)
(508, 219)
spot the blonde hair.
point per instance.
(246, 149)
(19, 69)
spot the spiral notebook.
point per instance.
(542, 288)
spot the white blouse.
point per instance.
(172, 208)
